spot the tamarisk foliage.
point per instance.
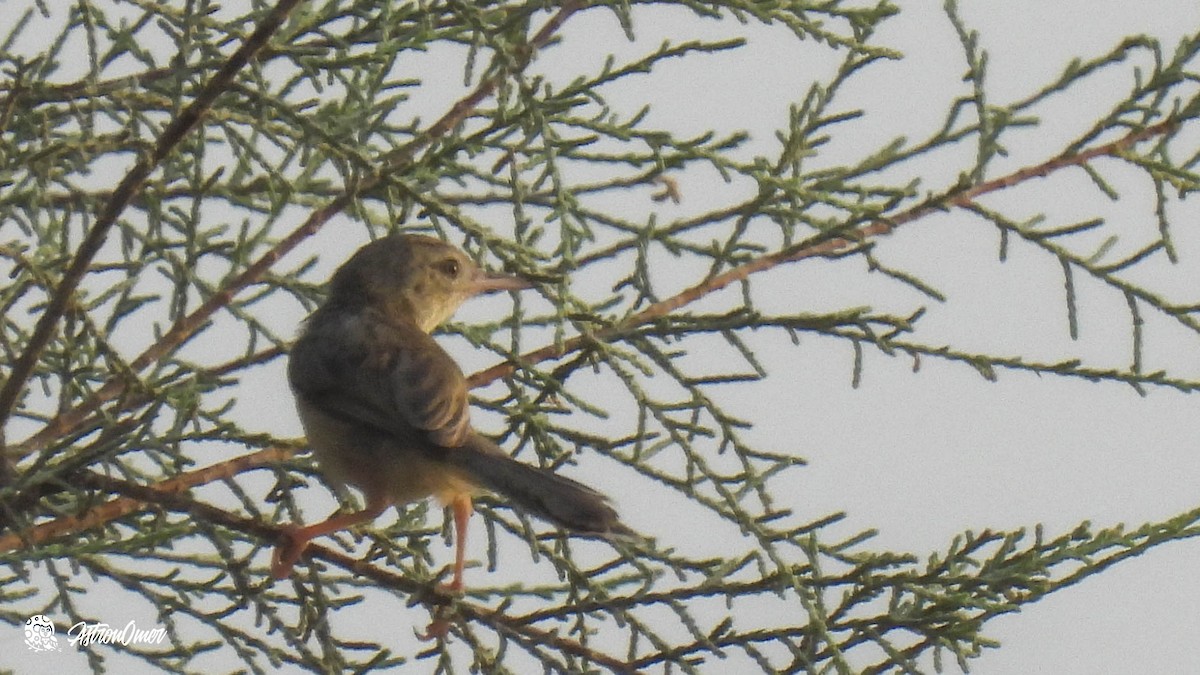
(178, 178)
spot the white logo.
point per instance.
(39, 634)
(40, 637)
(84, 634)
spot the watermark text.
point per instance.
(83, 634)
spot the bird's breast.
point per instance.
(379, 463)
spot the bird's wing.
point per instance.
(391, 377)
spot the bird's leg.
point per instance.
(462, 514)
(295, 539)
(440, 625)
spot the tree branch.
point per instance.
(128, 188)
(823, 245)
(170, 495)
(123, 506)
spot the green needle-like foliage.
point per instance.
(178, 179)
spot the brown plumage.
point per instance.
(386, 408)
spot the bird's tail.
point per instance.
(539, 492)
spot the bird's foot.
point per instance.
(443, 615)
(439, 627)
(287, 551)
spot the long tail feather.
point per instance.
(545, 494)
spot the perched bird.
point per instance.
(385, 407)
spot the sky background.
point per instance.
(921, 457)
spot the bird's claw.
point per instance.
(287, 551)
(439, 626)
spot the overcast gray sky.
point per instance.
(1022, 451)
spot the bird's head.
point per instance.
(416, 277)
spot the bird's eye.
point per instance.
(450, 268)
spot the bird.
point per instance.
(385, 408)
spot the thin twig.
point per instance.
(129, 187)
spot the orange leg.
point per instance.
(440, 625)
(295, 539)
(462, 514)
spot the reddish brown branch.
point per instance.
(169, 495)
(129, 187)
(823, 247)
(123, 506)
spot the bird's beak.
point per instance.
(490, 282)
